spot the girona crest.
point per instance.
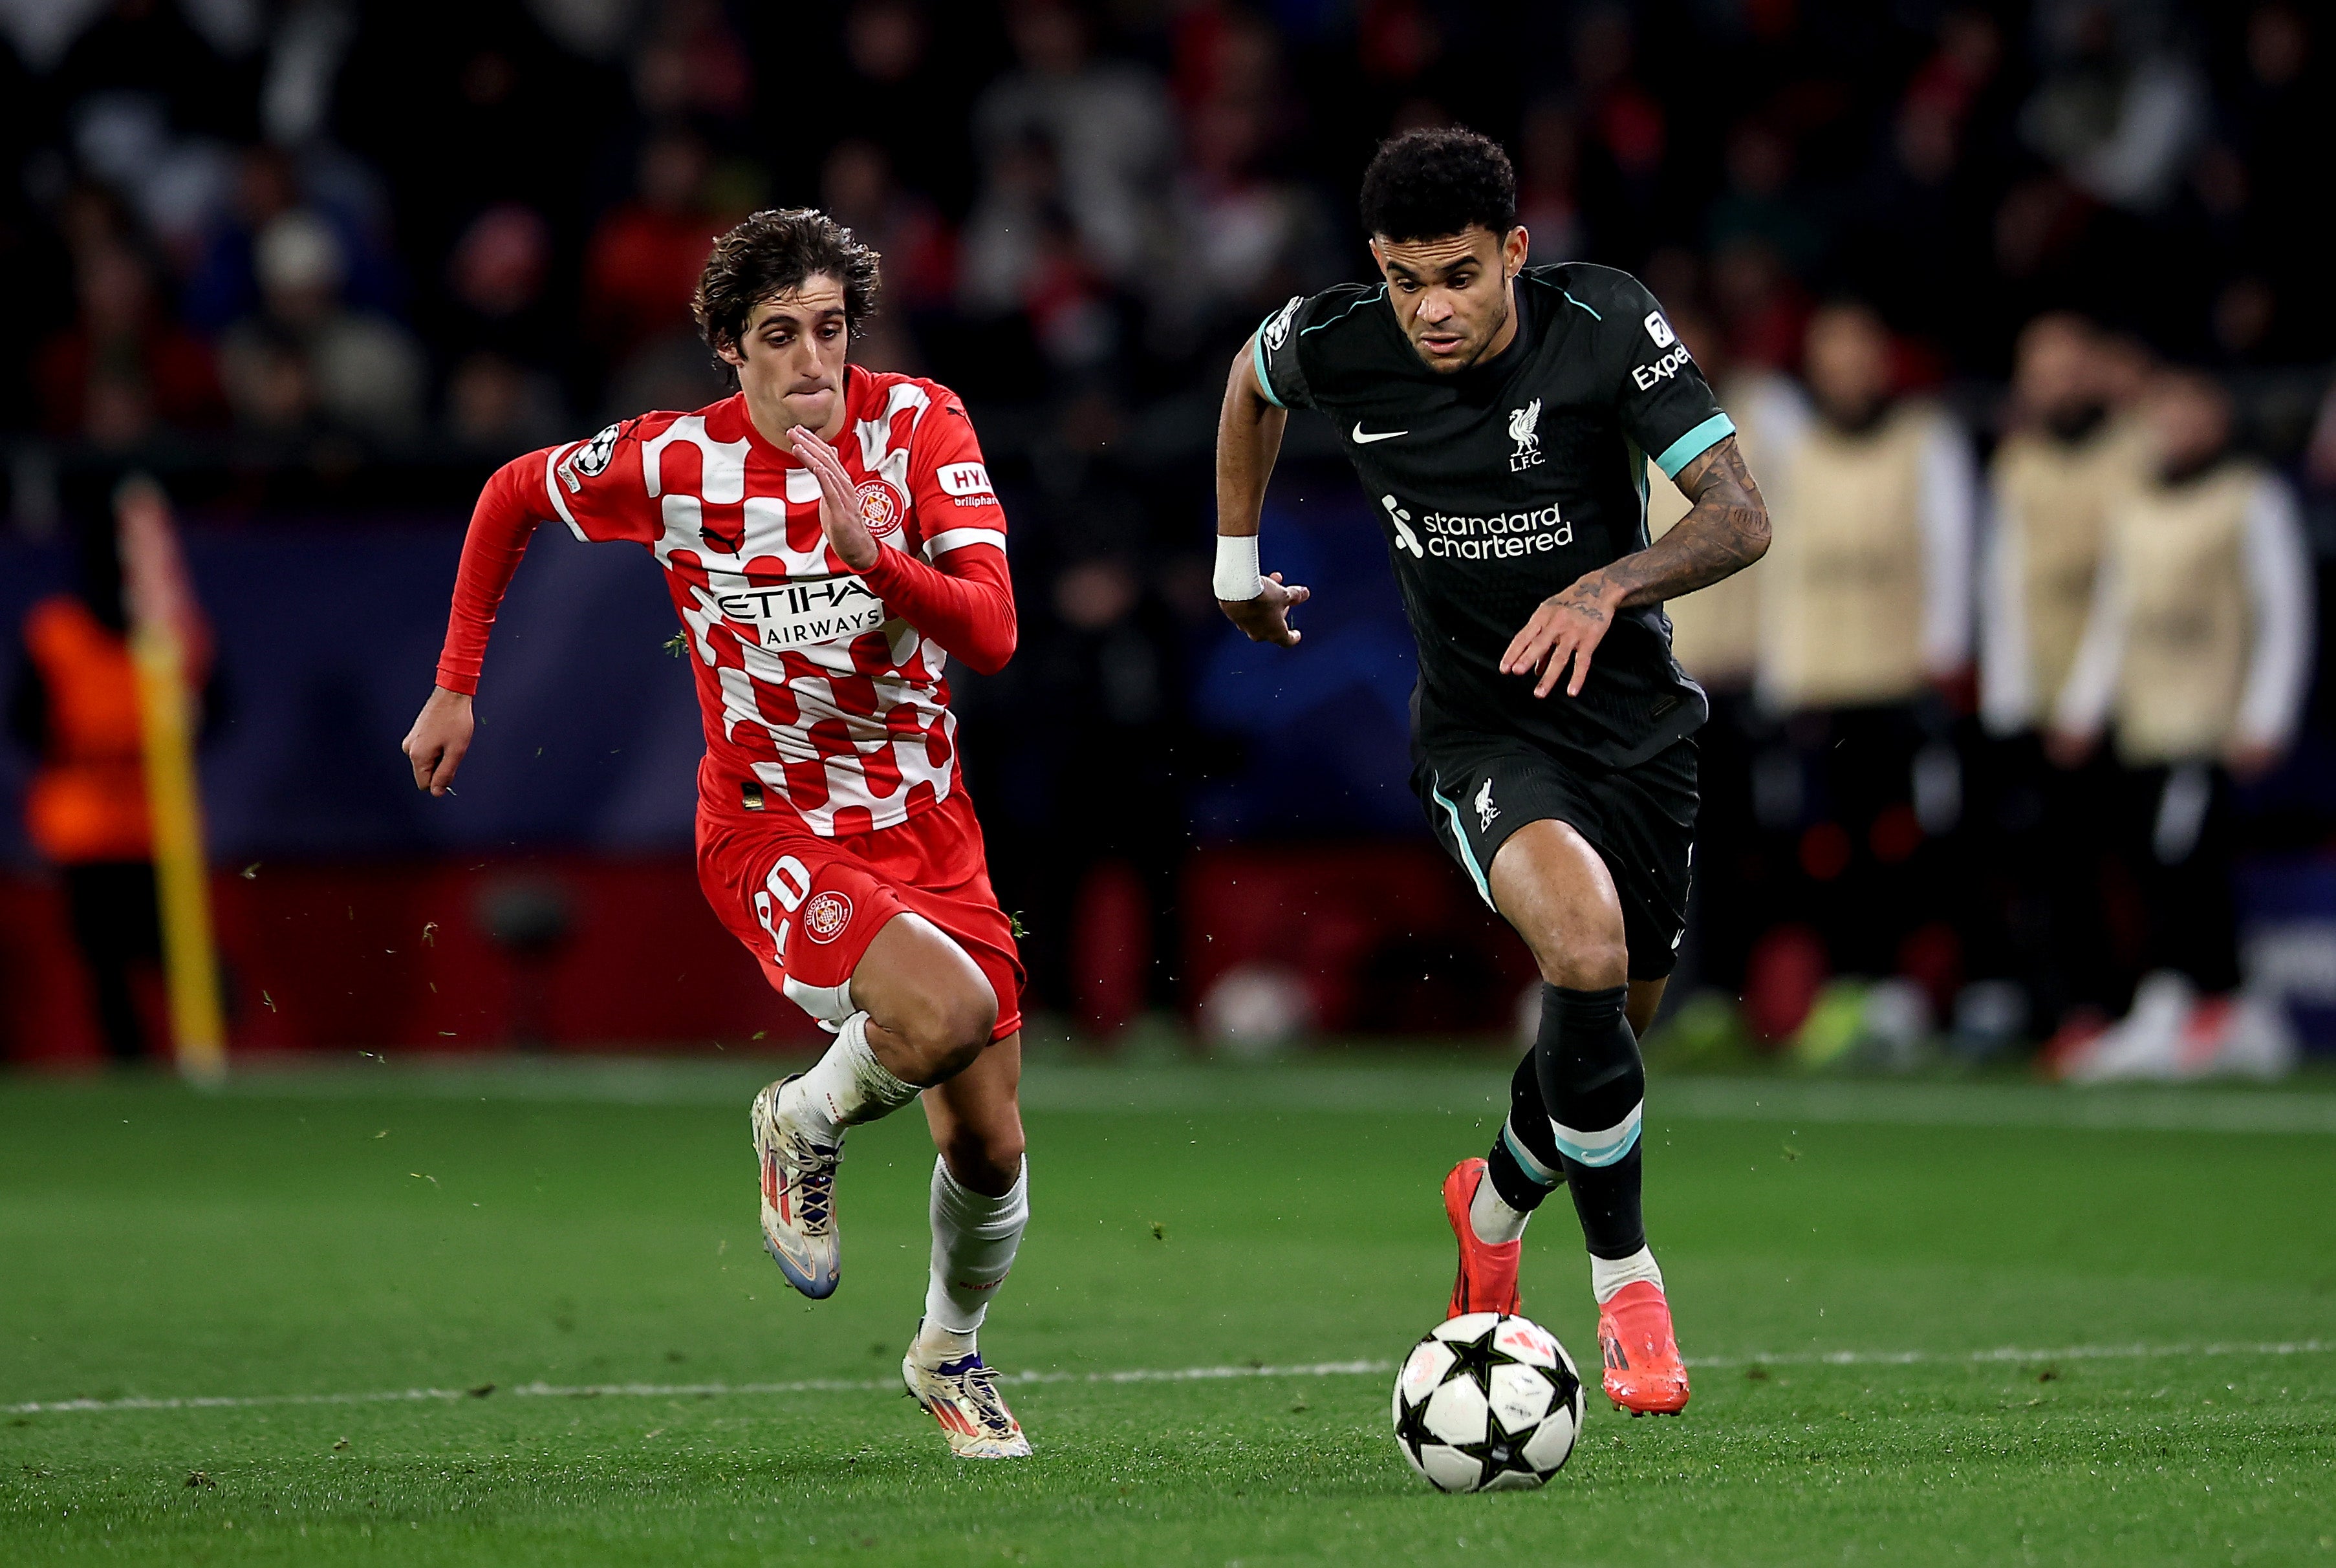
(825, 917)
(880, 507)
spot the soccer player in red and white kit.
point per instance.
(829, 539)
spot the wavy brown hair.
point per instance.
(774, 252)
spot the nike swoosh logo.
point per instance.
(1363, 440)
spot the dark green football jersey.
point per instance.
(1500, 485)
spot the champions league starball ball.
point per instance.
(1488, 1403)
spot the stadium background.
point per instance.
(319, 267)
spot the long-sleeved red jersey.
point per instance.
(820, 688)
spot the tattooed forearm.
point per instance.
(1725, 530)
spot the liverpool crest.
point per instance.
(1522, 430)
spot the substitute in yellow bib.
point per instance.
(1865, 642)
(2063, 464)
(1867, 596)
(2068, 456)
(2195, 661)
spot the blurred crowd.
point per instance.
(478, 224)
(1977, 726)
(333, 255)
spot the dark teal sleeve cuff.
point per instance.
(1257, 359)
(1693, 444)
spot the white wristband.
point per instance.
(1237, 578)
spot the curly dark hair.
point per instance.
(1425, 184)
(771, 252)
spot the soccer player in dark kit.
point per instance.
(1500, 419)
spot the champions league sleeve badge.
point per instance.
(589, 460)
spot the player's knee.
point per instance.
(985, 1159)
(1585, 963)
(950, 1027)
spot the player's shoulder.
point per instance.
(1613, 305)
(575, 462)
(1323, 345)
(594, 452)
(926, 419)
(886, 394)
(1602, 291)
(1332, 319)
(1601, 323)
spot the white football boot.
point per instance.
(798, 1196)
(2145, 1045)
(961, 1394)
(2259, 1041)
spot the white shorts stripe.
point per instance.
(827, 1004)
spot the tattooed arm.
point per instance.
(1725, 530)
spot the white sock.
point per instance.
(936, 1345)
(1608, 1275)
(974, 1239)
(848, 1085)
(1490, 1216)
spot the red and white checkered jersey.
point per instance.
(822, 688)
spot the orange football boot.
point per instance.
(1487, 1280)
(1644, 1373)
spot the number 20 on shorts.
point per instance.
(790, 883)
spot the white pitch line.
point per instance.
(1475, 1091)
(1138, 1375)
(2010, 1353)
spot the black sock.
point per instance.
(1525, 1166)
(1594, 1083)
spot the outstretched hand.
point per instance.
(1567, 627)
(1266, 618)
(839, 500)
(441, 735)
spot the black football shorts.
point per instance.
(1479, 789)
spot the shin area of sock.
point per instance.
(975, 1238)
(1594, 1083)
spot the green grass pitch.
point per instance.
(1946, 1323)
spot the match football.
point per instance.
(1488, 1403)
(1181, 782)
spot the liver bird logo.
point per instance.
(1522, 430)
